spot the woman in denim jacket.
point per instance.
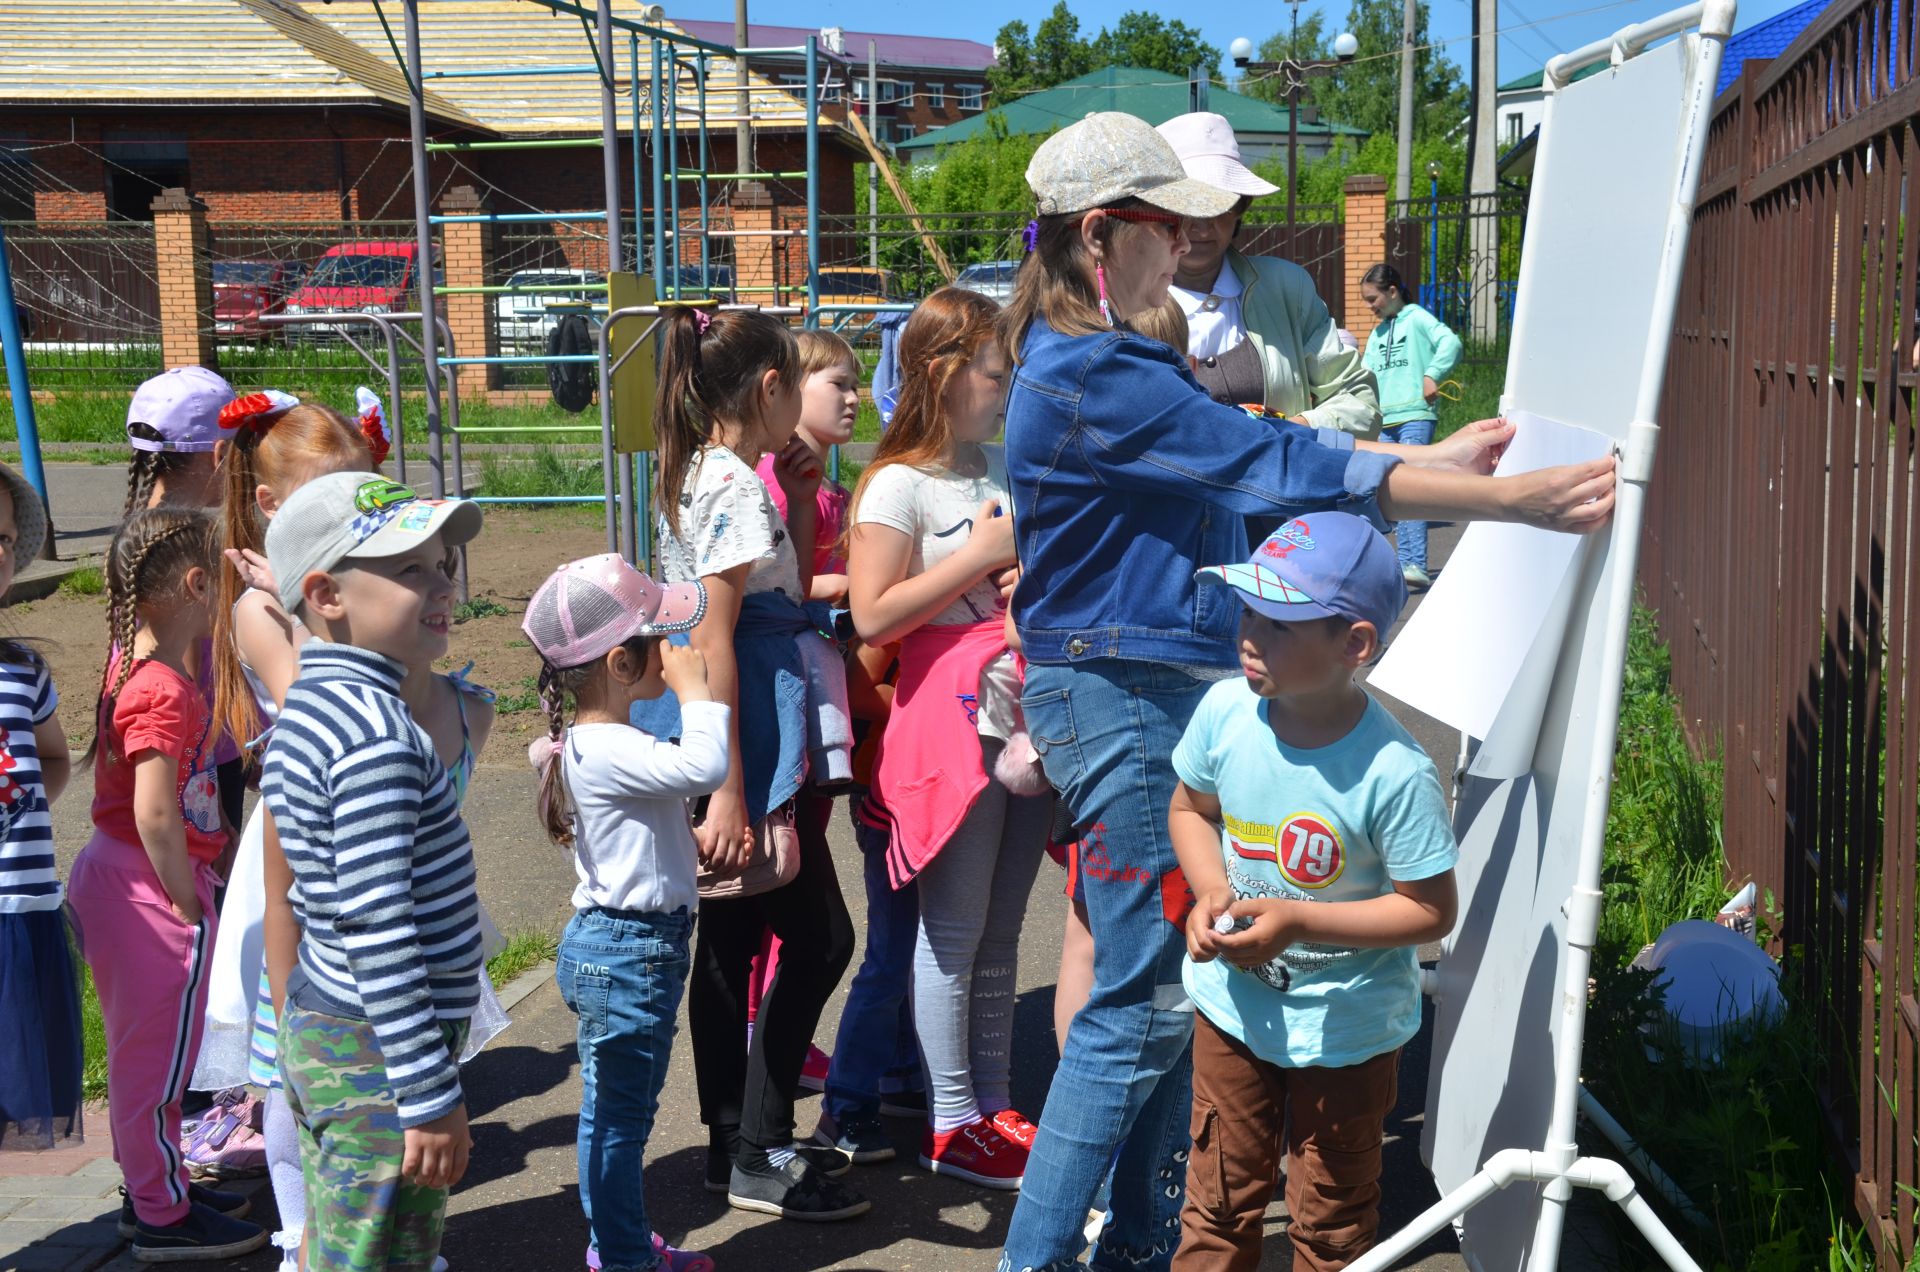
(1126, 478)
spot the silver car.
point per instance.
(992, 279)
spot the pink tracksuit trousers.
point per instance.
(150, 971)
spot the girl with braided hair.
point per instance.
(617, 797)
(142, 889)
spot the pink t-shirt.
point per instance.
(829, 521)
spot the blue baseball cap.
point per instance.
(1326, 565)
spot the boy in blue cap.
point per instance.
(1314, 834)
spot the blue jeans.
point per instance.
(622, 972)
(1107, 729)
(876, 1026)
(1411, 536)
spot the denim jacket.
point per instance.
(1126, 478)
(773, 701)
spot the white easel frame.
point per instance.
(1557, 1163)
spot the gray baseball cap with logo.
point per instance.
(1110, 156)
(357, 515)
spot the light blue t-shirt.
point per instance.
(1333, 823)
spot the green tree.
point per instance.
(1366, 92)
(1055, 52)
(1146, 39)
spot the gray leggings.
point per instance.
(973, 899)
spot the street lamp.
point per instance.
(1345, 46)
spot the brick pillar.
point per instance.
(756, 256)
(185, 281)
(1366, 245)
(467, 248)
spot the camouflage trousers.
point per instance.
(361, 1215)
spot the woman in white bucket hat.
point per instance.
(1259, 330)
(1126, 479)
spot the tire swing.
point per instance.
(572, 383)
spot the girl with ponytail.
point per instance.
(142, 888)
(729, 392)
(617, 797)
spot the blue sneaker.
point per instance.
(232, 1205)
(204, 1234)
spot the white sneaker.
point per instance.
(288, 1240)
(1415, 576)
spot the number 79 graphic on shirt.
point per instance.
(1310, 852)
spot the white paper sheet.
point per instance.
(1459, 656)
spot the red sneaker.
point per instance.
(1016, 1128)
(977, 1152)
(813, 1074)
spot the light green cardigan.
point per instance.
(1309, 372)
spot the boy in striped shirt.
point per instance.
(388, 975)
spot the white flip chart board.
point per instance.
(1510, 644)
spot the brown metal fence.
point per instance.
(1780, 547)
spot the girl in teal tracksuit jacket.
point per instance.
(1409, 353)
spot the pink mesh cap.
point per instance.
(590, 607)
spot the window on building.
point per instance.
(1515, 123)
(972, 96)
(138, 169)
(937, 96)
(895, 91)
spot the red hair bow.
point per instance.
(373, 424)
(256, 412)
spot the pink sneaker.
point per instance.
(813, 1074)
(671, 1259)
(225, 1143)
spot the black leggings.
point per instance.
(754, 1087)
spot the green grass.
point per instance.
(524, 950)
(1744, 1140)
(85, 581)
(524, 698)
(94, 1034)
(478, 607)
(544, 474)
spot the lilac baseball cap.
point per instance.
(182, 407)
(1325, 565)
(590, 607)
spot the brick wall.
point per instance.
(186, 289)
(1366, 245)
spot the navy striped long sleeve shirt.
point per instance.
(383, 869)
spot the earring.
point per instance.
(1100, 284)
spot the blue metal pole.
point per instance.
(18, 385)
(706, 162)
(673, 160)
(639, 183)
(1433, 248)
(813, 172)
(659, 175)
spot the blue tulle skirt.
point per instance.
(41, 1050)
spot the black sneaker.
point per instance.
(828, 1159)
(793, 1191)
(911, 1104)
(232, 1205)
(204, 1234)
(861, 1136)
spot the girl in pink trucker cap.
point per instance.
(618, 798)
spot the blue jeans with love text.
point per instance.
(622, 972)
(1411, 536)
(1107, 729)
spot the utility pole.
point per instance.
(1483, 265)
(873, 169)
(743, 127)
(1403, 171)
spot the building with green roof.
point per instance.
(1154, 96)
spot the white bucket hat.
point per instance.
(1110, 156)
(1209, 152)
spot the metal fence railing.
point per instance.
(1462, 255)
(1780, 550)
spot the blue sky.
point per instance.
(1531, 31)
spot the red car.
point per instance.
(246, 291)
(363, 277)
